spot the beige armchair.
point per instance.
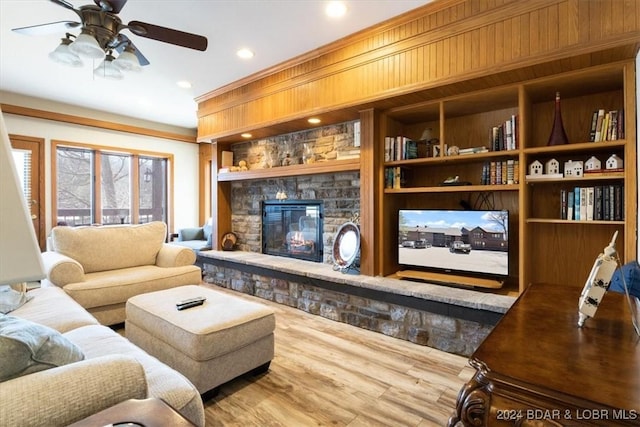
(102, 267)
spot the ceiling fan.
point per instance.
(100, 36)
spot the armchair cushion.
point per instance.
(191, 233)
(27, 347)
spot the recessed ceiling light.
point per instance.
(335, 9)
(245, 53)
(184, 84)
(314, 120)
(246, 135)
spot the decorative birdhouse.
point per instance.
(573, 169)
(614, 162)
(593, 164)
(535, 168)
(552, 167)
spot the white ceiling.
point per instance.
(276, 30)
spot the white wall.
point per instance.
(185, 194)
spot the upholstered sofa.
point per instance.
(108, 370)
(102, 267)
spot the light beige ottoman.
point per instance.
(210, 344)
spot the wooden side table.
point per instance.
(537, 368)
(145, 412)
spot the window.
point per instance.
(96, 185)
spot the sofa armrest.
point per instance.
(63, 395)
(175, 256)
(193, 233)
(61, 269)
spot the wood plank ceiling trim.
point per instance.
(442, 44)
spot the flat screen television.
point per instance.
(473, 242)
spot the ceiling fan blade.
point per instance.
(50, 28)
(63, 3)
(113, 6)
(167, 35)
(124, 40)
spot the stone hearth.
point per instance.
(454, 320)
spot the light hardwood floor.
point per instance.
(327, 373)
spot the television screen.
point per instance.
(470, 241)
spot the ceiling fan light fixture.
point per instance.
(63, 55)
(107, 69)
(86, 45)
(127, 61)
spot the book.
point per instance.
(597, 203)
(605, 127)
(508, 134)
(510, 170)
(473, 150)
(583, 204)
(599, 125)
(594, 124)
(576, 203)
(570, 204)
(514, 120)
(590, 203)
(621, 124)
(563, 204)
(397, 177)
(612, 131)
(618, 203)
(387, 148)
(411, 149)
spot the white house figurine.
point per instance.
(552, 167)
(614, 162)
(593, 164)
(573, 169)
(535, 168)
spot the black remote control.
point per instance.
(191, 302)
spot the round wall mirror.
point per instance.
(346, 246)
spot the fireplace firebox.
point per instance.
(292, 228)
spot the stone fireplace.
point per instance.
(293, 228)
(339, 192)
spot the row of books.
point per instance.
(505, 136)
(400, 148)
(393, 177)
(606, 125)
(598, 203)
(500, 172)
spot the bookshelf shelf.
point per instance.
(572, 221)
(461, 158)
(585, 179)
(453, 189)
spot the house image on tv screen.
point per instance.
(482, 237)
(477, 237)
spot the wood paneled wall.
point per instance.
(447, 45)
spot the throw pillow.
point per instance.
(631, 274)
(27, 347)
(11, 299)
